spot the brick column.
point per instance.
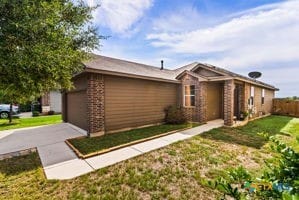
(228, 102)
(95, 105)
(201, 109)
(246, 96)
(241, 98)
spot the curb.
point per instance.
(82, 156)
(17, 153)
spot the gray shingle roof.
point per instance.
(235, 75)
(108, 64)
(128, 67)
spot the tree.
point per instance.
(42, 44)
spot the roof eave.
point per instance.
(255, 83)
(208, 68)
(91, 70)
(191, 74)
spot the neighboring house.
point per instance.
(112, 94)
(51, 101)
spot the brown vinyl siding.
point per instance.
(134, 102)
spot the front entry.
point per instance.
(237, 100)
(214, 101)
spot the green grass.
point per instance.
(178, 171)
(90, 145)
(247, 135)
(292, 131)
(29, 122)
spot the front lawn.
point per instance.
(89, 145)
(178, 171)
(28, 122)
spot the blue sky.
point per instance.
(239, 35)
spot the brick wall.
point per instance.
(201, 109)
(198, 112)
(228, 102)
(259, 107)
(95, 104)
(241, 97)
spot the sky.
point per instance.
(238, 35)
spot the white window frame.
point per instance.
(252, 91)
(189, 95)
(251, 101)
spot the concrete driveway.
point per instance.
(60, 162)
(49, 141)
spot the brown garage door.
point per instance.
(134, 102)
(214, 101)
(77, 109)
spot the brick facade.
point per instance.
(198, 113)
(95, 104)
(202, 107)
(259, 108)
(228, 102)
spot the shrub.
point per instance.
(35, 113)
(283, 177)
(174, 115)
(51, 112)
(25, 107)
(243, 115)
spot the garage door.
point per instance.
(77, 109)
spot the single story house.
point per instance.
(51, 101)
(112, 94)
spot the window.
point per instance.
(263, 96)
(189, 95)
(251, 100)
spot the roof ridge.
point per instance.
(186, 65)
(145, 65)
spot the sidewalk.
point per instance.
(76, 167)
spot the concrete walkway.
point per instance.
(60, 162)
(76, 167)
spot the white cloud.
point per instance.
(263, 35)
(179, 20)
(121, 15)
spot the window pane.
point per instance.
(187, 101)
(189, 90)
(192, 89)
(252, 101)
(192, 100)
(252, 91)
